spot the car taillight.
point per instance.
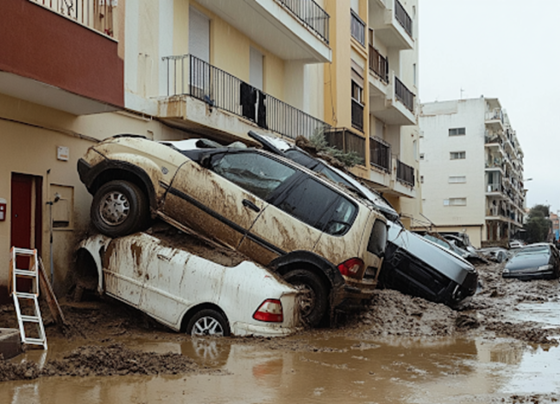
(270, 311)
(352, 267)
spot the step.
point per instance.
(25, 272)
(30, 319)
(35, 341)
(25, 295)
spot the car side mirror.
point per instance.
(206, 161)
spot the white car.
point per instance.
(187, 292)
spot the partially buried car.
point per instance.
(535, 261)
(319, 238)
(412, 264)
(188, 292)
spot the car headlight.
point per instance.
(544, 267)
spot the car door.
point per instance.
(223, 200)
(295, 220)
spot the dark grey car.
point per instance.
(535, 261)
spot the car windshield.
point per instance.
(540, 250)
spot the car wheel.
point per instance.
(313, 300)
(208, 322)
(119, 208)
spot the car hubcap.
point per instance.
(306, 299)
(115, 208)
(207, 326)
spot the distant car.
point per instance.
(535, 261)
(328, 243)
(513, 244)
(187, 292)
(496, 254)
(412, 265)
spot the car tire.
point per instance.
(314, 295)
(208, 322)
(119, 208)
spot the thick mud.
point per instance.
(103, 334)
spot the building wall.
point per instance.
(436, 167)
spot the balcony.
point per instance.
(357, 115)
(357, 28)
(495, 120)
(380, 154)
(57, 61)
(290, 29)
(379, 65)
(405, 174)
(188, 76)
(346, 140)
(392, 24)
(396, 105)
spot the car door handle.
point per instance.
(248, 204)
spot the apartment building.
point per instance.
(75, 72)
(471, 167)
(371, 93)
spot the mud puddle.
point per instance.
(315, 368)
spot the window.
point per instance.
(319, 206)
(455, 202)
(458, 155)
(457, 179)
(421, 156)
(254, 172)
(256, 68)
(421, 179)
(357, 92)
(457, 132)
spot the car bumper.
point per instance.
(242, 329)
(531, 275)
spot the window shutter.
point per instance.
(199, 35)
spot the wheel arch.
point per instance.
(190, 313)
(311, 261)
(89, 263)
(121, 170)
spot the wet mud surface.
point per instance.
(394, 347)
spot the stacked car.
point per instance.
(318, 228)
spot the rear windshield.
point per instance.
(540, 250)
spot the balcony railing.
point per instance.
(311, 15)
(357, 28)
(405, 173)
(347, 141)
(494, 187)
(378, 64)
(357, 115)
(188, 75)
(404, 95)
(380, 154)
(95, 14)
(403, 18)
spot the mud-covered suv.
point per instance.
(326, 242)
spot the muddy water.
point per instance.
(313, 368)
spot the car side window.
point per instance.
(254, 172)
(319, 206)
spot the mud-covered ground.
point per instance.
(99, 322)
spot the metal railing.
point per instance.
(95, 14)
(347, 141)
(404, 95)
(403, 18)
(378, 64)
(405, 173)
(357, 115)
(311, 15)
(380, 154)
(357, 28)
(189, 75)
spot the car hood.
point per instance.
(445, 261)
(522, 262)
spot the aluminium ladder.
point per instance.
(27, 299)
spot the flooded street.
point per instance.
(400, 350)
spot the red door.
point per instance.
(26, 218)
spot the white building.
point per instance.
(471, 169)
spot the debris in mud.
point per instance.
(103, 361)
(525, 332)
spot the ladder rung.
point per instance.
(24, 295)
(29, 319)
(25, 272)
(35, 341)
(23, 251)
